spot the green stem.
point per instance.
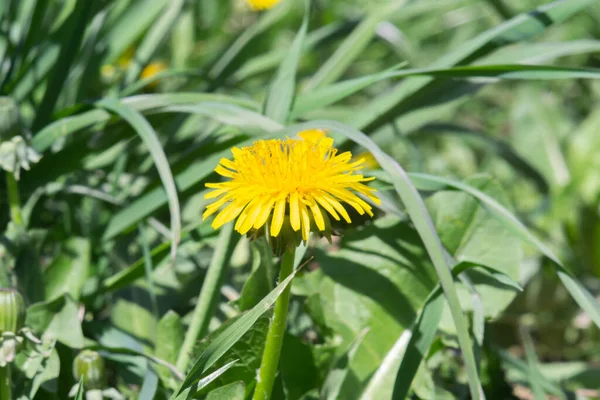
(208, 297)
(13, 199)
(270, 360)
(5, 383)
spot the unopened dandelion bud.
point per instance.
(12, 311)
(89, 365)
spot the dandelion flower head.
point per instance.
(297, 180)
(262, 4)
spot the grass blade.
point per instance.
(328, 95)
(232, 334)
(149, 137)
(416, 92)
(153, 39)
(281, 92)
(353, 45)
(141, 103)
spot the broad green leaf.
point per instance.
(579, 293)
(419, 215)
(471, 235)
(169, 337)
(148, 135)
(393, 378)
(378, 280)
(133, 316)
(232, 391)
(297, 367)
(69, 270)
(259, 283)
(57, 319)
(335, 379)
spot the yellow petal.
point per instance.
(278, 216)
(305, 221)
(228, 214)
(265, 211)
(316, 210)
(294, 211)
(224, 172)
(327, 206)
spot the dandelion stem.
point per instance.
(13, 199)
(272, 352)
(208, 297)
(5, 383)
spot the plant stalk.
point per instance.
(272, 352)
(5, 383)
(208, 297)
(13, 199)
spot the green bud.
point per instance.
(12, 311)
(89, 365)
(9, 118)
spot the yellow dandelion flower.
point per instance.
(369, 160)
(300, 181)
(262, 4)
(152, 69)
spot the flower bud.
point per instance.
(12, 311)
(9, 118)
(89, 365)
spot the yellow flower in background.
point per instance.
(295, 180)
(262, 4)
(152, 69)
(369, 160)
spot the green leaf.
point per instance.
(148, 135)
(219, 346)
(247, 351)
(532, 363)
(393, 378)
(259, 283)
(297, 367)
(335, 379)
(68, 271)
(378, 279)
(57, 319)
(233, 391)
(419, 215)
(579, 293)
(80, 392)
(134, 316)
(169, 337)
(471, 235)
(281, 93)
